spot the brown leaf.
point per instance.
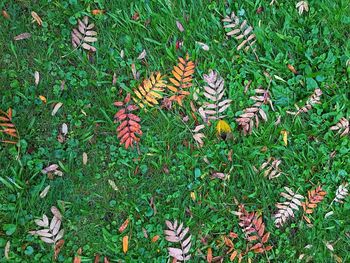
(58, 247)
(209, 255)
(135, 16)
(125, 244)
(105, 260)
(292, 69)
(37, 18)
(5, 14)
(22, 36)
(260, 10)
(124, 225)
(97, 258)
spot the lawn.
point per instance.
(245, 141)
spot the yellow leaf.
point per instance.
(223, 128)
(193, 196)
(285, 137)
(43, 99)
(125, 244)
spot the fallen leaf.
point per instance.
(22, 36)
(96, 12)
(56, 108)
(97, 258)
(43, 99)
(329, 246)
(142, 55)
(155, 238)
(135, 16)
(285, 137)
(145, 234)
(209, 255)
(105, 260)
(260, 10)
(233, 235)
(85, 158)
(124, 225)
(193, 196)
(37, 18)
(204, 46)
(56, 212)
(64, 129)
(58, 247)
(36, 78)
(221, 176)
(113, 185)
(125, 244)
(179, 26)
(5, 14)
(77, 258)
(292, 69)
(45, 191)
(7, 249)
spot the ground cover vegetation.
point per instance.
(174, 131)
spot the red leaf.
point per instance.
(124, 225)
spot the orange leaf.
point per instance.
(209, 255)
(233, 235)
(5, 14)
(265, 238)
(229, 243)
(96, 12)
(291, 68)
(58, 247)
(155, 238)
(125, 244)
(97, 258)
(43, 99)
(77, 259)
(307, 219)
(233, 255)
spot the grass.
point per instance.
(170, 166)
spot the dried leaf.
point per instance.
(56, 212)
(155, 238)
(292, 69)
(45, 191)
(85, 158)
(204, 46)
(56, 108)
(113, 185)
(125, 244)
(37, 18)
(58, 247)
(285, 137)
(179, 26)
(142, 55)
(36, 78)
(96, 12)
(22, 36)
(7, 250)
(43, 99)
(5, 14)
(124, 225)
(64, 129)
(209, 255)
